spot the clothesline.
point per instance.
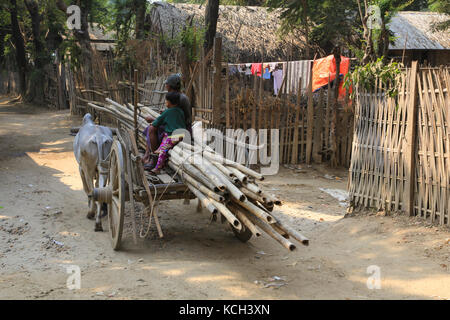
(324, 70)
(276, 71)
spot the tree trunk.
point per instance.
(83, 40)
(367, 34)
(3, 34)
(36, 88)
(20, 47)
(337, 58)
(211, 16)
(140, 7)
(305, 24)
(383, 42)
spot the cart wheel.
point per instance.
(244, 235)
(116, 180)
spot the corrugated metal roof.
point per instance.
(415, 28)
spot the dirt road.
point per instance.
(43, 230)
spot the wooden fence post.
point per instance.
(217, 90)
(318, 128)
(410, 157)
(310, 120)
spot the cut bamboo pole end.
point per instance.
(228, 215)
(239, 213)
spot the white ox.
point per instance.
(92, 146)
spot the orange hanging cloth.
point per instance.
(324, 70)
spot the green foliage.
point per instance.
(192, 38)
(330, 22)
(442, 6)
(367, 75)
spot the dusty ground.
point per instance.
(43, 229)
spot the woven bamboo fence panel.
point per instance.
(432, 188)
(380, 168)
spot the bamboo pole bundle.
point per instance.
(201, 187)
(212, 172)
(194, 172)
(218, 158)
(221, 185)
(197, 162)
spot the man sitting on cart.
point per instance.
(154, 135)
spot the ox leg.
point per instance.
(101, 207)
(98, 220)
(88, 188)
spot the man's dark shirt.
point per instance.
(185, 105)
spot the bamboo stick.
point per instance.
(271, 232)
(253, 188)
(255, 196)
(239, 175)
(255, 210)
(291, 232)
(280, 231)
(222, 168)
(271, 198)
(206, 202)
(228, 215)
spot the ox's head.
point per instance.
(87, 119)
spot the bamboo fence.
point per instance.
(304, 121)
(401, 146)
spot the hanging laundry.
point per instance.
(277, 80)
(266, 74)
(241, 68)
(298, 71)
(232, 70)
(248, 70)
(256, 68)
(324, 70)
(272, 66)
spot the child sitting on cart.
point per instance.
(172, 119)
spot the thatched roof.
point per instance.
(244, 30)
(100, 39)
(416, 29)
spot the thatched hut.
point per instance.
(249, 34)
(416, 39)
